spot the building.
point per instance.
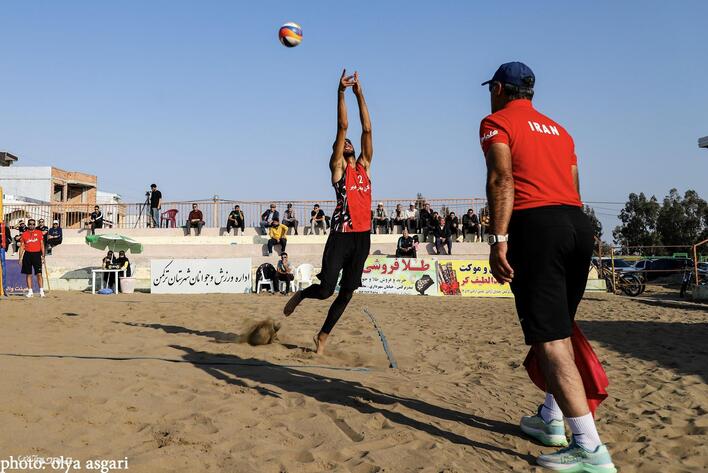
(703, 142)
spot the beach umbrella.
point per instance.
(114, 242)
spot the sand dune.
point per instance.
(203, 403)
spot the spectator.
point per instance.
(454, 223)
(484, 221)
(380, 218)
(278, 236)
(318, 220)
(406, 245)
(430, 225)
(32, 256)
(155, 205)
(267, 218)
(289, 219)
(5, 244)
(443, 236)
(412, 218)
(236, 220)
(285, 272)
(122, 262)
(425, 217)
(195, 220)
(470, 224)
(44, 229)
(95, 219)
(55, 235)
(399, 218)
(21, 228)
(108, 262)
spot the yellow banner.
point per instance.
(468, 278)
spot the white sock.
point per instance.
(584, 431)
(550, 409)
(29, 291)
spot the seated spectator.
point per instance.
(195, 220)
(267, 218)
(412, 218)
(406, 245)
(108, 263)
(380, 218)
(55, 235)
(443, 236)
(278, 236)
(95, 219)
(430, 225)
(484, 222)
(454, 223)
(285, 272)
(44, 229)
(236, 220)
(398, 218)
(425, 217)
(21, 228)
(289, 219)
(123, 263)
(318, 220)
(470, 225)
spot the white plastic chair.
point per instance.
(303, 275)
(265, 282)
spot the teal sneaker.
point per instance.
(575, 459)
(551, 434)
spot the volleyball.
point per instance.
(290, 34)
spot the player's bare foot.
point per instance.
(292, 303)
(320, 342)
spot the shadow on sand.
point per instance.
(678, 346)
(351, 394)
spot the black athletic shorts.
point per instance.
(346, 252)
(550, 250)
(32, 260)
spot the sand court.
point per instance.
(161, 380)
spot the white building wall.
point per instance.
(34, 182)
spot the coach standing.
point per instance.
(541, 243)
(32, 256)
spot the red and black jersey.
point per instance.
(353, 210)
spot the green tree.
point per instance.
(682, 221)
(596, 225)
(638, 219)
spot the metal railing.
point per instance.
(214, 211)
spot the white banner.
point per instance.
(200, 276)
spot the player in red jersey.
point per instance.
(350, 237)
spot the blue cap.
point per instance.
(514, 73)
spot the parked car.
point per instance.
(661, 267)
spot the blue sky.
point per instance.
(201, 98)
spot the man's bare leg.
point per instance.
(320, 342)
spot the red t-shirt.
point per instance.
(542, 155)
(32, 240)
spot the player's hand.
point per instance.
(345, 81)
(357, 85)
(501, 269)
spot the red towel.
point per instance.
(591, 371)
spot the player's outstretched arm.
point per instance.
(367, 147)
(336, 162)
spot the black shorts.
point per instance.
(550, 250)
(32, 261)
(346, 252)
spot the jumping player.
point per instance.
(350, 237)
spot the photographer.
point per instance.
(155, 197)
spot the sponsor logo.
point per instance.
(488, 135)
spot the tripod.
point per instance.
(143, 206)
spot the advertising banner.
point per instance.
(469, 278)
(200, 276)
(383, 275)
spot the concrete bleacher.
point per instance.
(69, 265)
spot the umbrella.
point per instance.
(114, 242)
